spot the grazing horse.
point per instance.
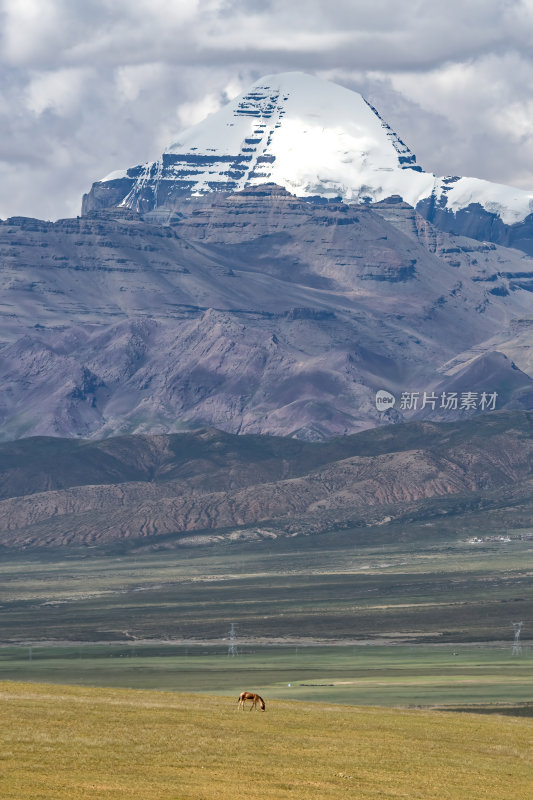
(254, 698)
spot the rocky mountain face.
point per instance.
(256, 312)
(207, 485)
(315, 139)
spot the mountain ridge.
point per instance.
(256, 312)
(210, 484)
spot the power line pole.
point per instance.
(232, 647)
(517, 647)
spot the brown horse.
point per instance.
(254, 698)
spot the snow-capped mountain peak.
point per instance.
(305, 134)
(308, 135)
(312, 137)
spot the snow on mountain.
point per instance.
(310, 136)
(512, 205)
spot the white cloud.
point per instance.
(60, 91)
(30, 28)
(197, 110)
(133, 79)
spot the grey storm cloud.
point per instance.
(88, 87)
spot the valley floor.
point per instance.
(343, 618)
(423, 583)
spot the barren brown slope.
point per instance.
(215, 482)
(257, 312)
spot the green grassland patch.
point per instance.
(65, 743)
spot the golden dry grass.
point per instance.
(69, 743)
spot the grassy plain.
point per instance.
(428, 675)
(66, 743)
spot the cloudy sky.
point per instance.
(88, 86)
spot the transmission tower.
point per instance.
(517, 647)
(232, 647)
